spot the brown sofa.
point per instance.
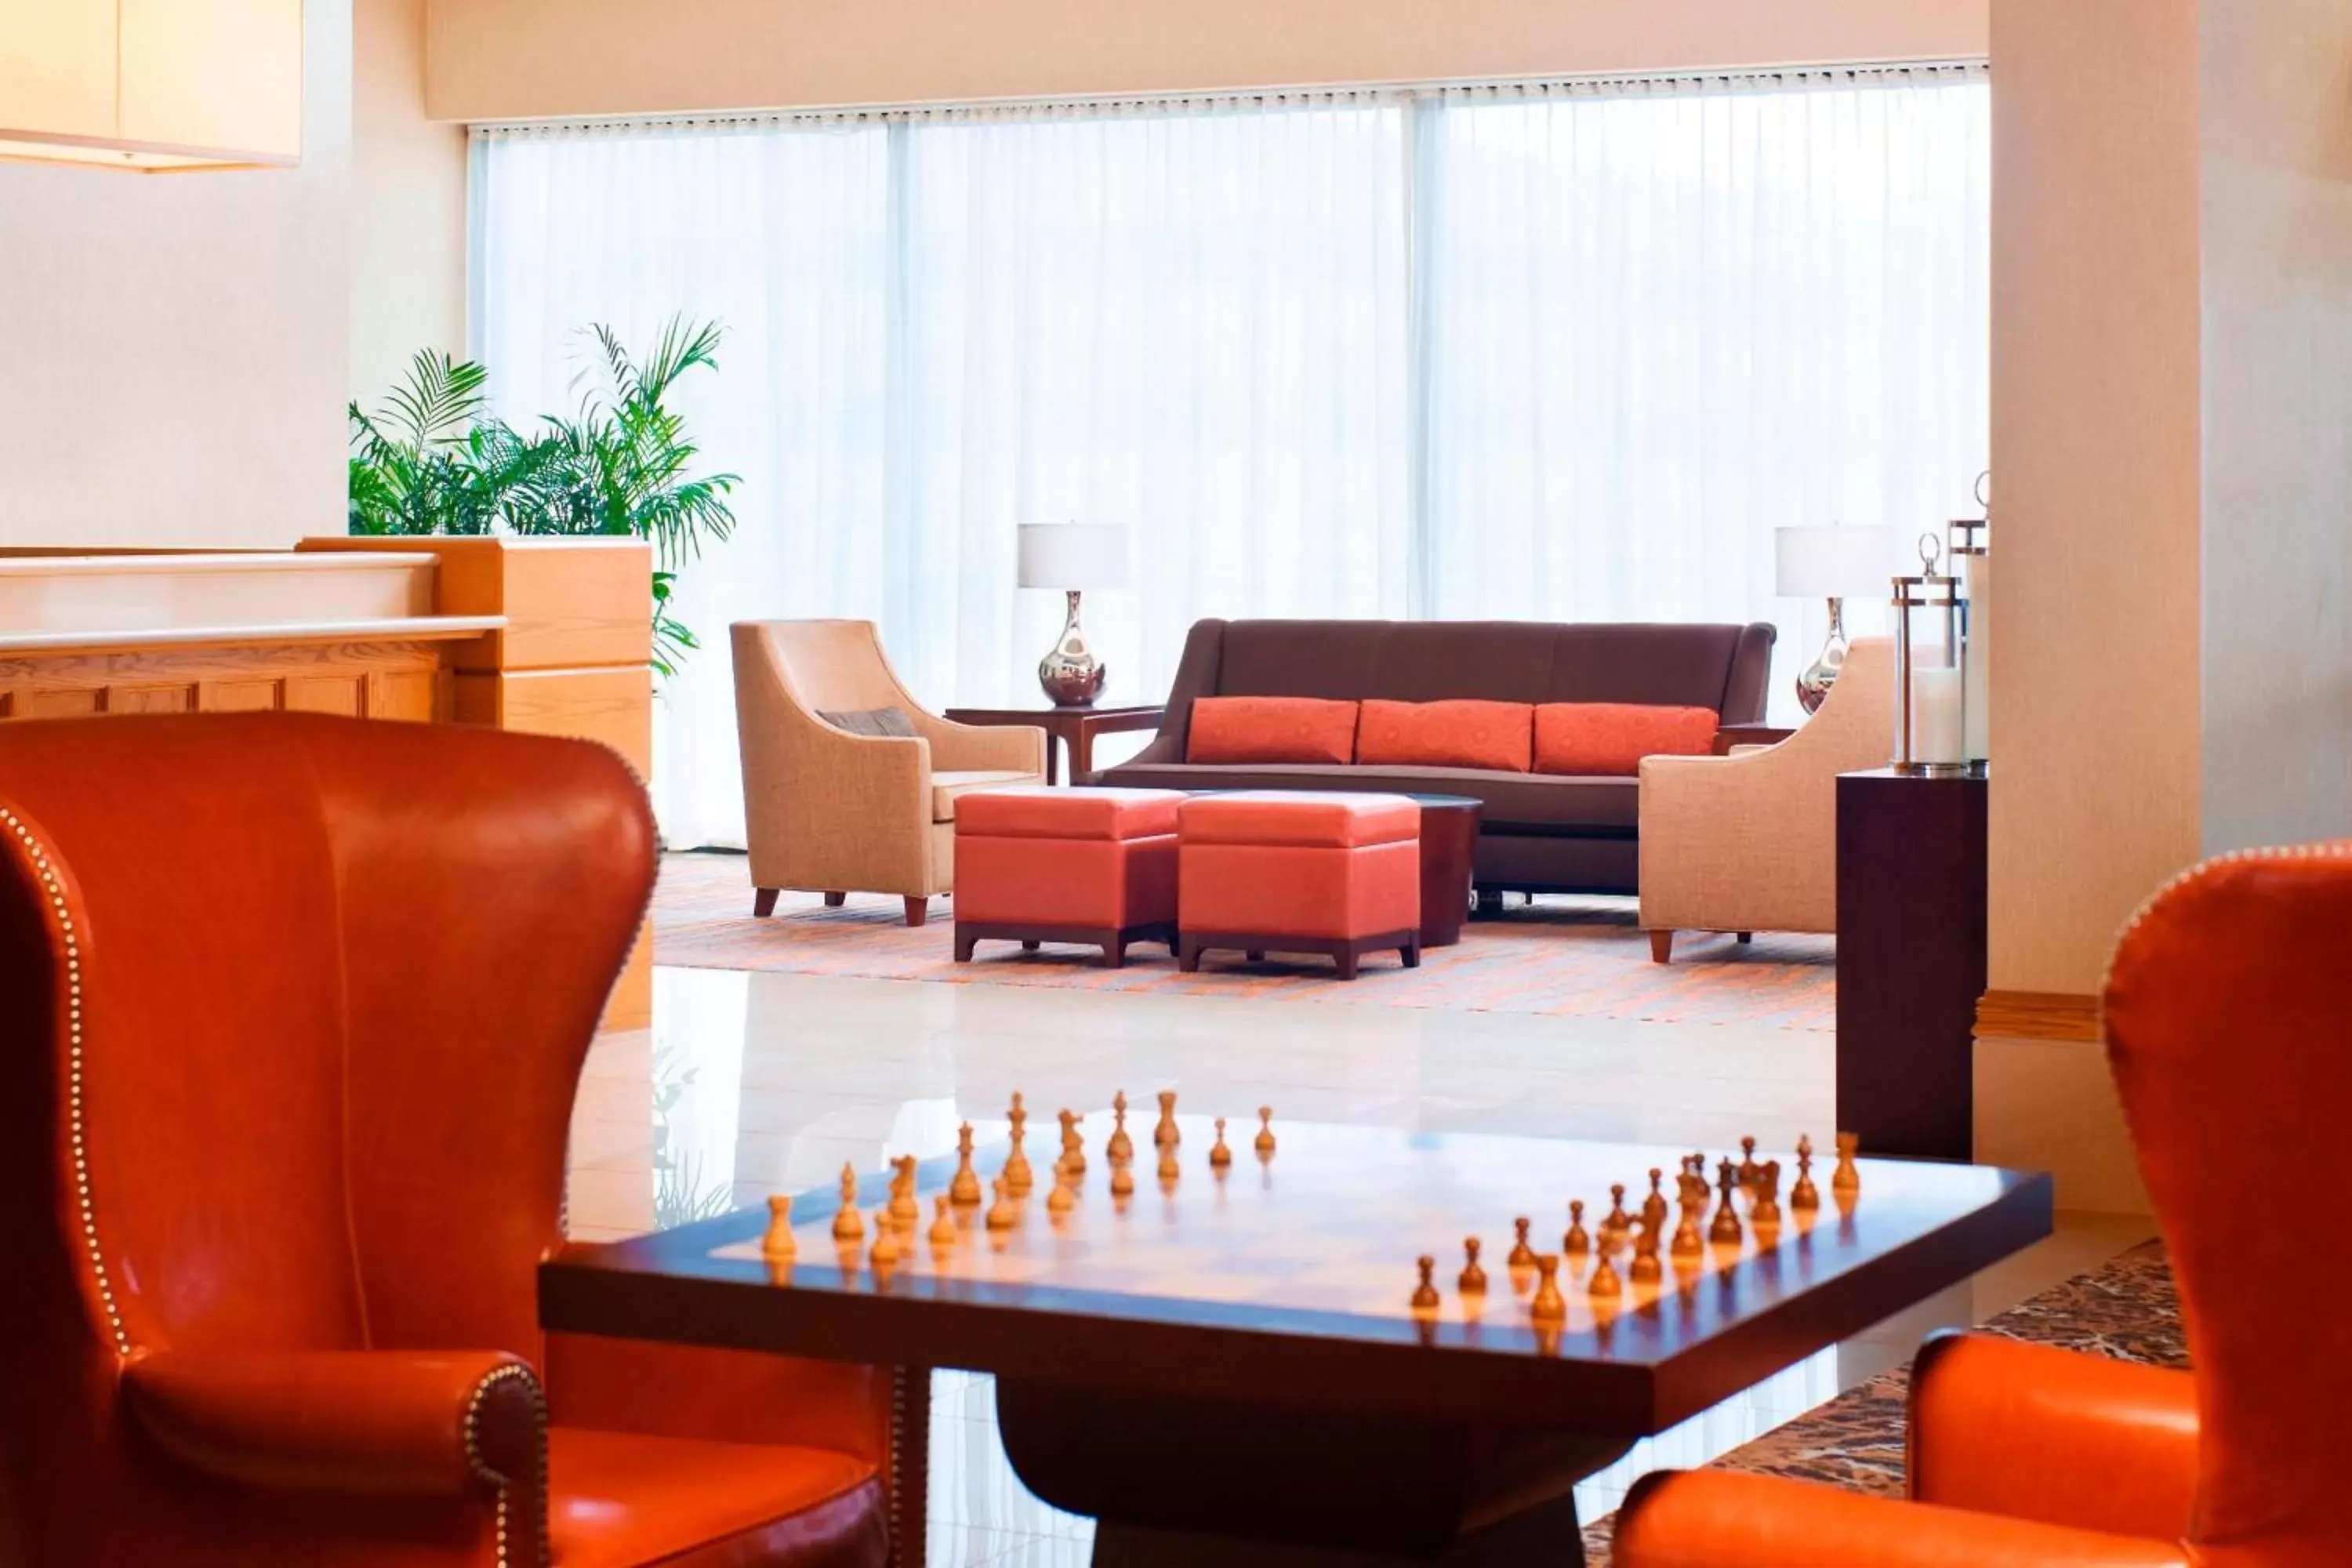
(1542, 832)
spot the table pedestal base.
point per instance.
(1215, 1484)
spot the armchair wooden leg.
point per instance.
(1661, 947)
(835, 900)
(763, 903)
(1746, 937)
(917, 911)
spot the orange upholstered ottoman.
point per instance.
(1271, 872)
(1095, 866)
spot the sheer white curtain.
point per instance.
(1656, 325)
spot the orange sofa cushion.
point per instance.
(1271, 729)
(1299, 818)
(1037, 811)
(1611, 738)
(1464, 734)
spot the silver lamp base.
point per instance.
(1814, 681)
(1071, 674)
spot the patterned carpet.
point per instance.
(1561, 957)
(2126, 1308)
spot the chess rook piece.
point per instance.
(778, 1244)
(1473, 1281)
(1522, 1255)
(1846, 1178)
(885, 1240)
(1001, 1213)
(1645, 1270)
(849, 1226)
(1424, 1295)
(1617, 1222)
(943, 1224)
(1220, 1156)
(1121, 1146)
(1122, 1180)
(1549, 1308)
(904, 1210)
(1725, 1228)
(964, 1190)
(1804, 1196)
(1074, 1151)
(1747, 1172)
(1264, 1131)
(1653, 1207)
(1576, 1243)
(1167, 1135)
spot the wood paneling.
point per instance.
(612, 706)
(2037, 1016)
(569, 602)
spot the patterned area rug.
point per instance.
(1561, 957)
(2126, 1308)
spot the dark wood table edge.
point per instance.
(1074, 727)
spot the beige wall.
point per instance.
(172, 368)
(515, 58)
(408, 204)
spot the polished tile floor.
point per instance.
(754, 1083)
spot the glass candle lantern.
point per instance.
(1930, 712)
(1972, 564)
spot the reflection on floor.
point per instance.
(754, 1083)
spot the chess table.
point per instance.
(1226, 1368)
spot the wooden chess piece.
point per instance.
(1687, 1242)
(1220, 1156)
(849, 1225)
(1653, 1207)
(1725, 1228)
(1122, 1180)
(964, 1190)
(1846, 1178)
(1549, 1307)
(778, 1244)
(1170, 1170)
(1605, 1285)
(1576, 1243)
(1766, 1208)
(1001, 1213)
(1064, 1197)
(1804, 1196)
(1617, 1222)
(1424, 1295)
(1018, 1177)
(1522, 1255)
(1121, 1146)
(1167, 1135)
(885, 1240)
(1264, 1131)
(943, 1225)
(1747, 1172)
(1645, 1270)
(904, 1210)
(1074, 1151)
(1473, 1281)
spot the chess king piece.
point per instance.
(1473, 1281)
(778, 1244)
(1220, 1156)
(943, 1224)
(1522, 1255)
(904, 1210)
(885, 1240)
(1653, 1207)
(849, 1225)
(1746, 1163)
(1121, 1147)
(1576, 1243)
(1167, 1135)
(1804, 1196)
(1018, 1178)
(1725, 1228)
(1846, 1178)
(1001, 1213)
(1644, 1269)
(1617, 1222)
(1424, 1295)
(1549, 1308)
(964, 1190)
(1073, 1152)
(1264, 1131)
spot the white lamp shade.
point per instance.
(1835, 562)
(1073, 555)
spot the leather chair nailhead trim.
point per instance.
(483, 1472)
(2334, 851)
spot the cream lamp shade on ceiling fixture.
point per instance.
(1073, 555)
(152, 85)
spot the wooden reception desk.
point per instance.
(547, 635)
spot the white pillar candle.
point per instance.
(1939, 732)
(1977, 669)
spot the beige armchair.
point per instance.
(830, 811)
(1749, 842)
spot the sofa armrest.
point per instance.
(1709, 1518)
(2034, 1432)
(357, 1424)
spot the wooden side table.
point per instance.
(1731, 735)
(1075, 728)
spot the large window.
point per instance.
(1566, 353)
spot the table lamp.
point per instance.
(1073, 557)
(1837, 564)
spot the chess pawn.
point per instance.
(1473, 1281)
(1804, 1196)
(964, 1190)
(1424, 1295)
(1264, 1144)
(1121, 1146)
(1847, 1178)
(1576, 1243)
(1549, 1307)
(1167, 1135)
(904, 1210)
(885, 1240)
(1653, 1207)
(943, 1225)
(1747, 1172)
(1001, 1213)
(1644, 1269)
(1617, 1222)
(1605, 1285)
(1220, 1156)
(1725, 1228)
(1074, 1151)
(777, 1246)
(849, 1226)
(1122, 1180)
(1522, 1255)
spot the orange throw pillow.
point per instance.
(1611, 738)
(1467, 733)
(1270, 730)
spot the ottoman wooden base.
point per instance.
(1112, 939)
(1346, 951)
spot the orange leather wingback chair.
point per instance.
(2226, 1031)
(294, 1010)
